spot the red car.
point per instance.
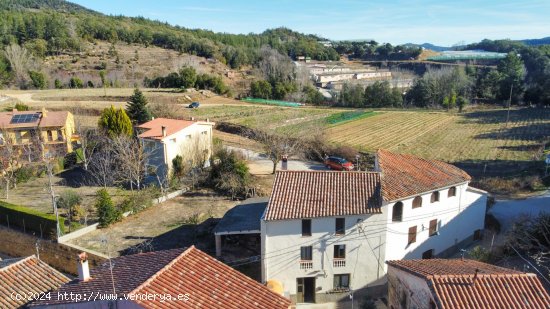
(339, 164)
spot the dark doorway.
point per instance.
(305, 290)
(429, 254)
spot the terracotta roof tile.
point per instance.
(310, 194)
(24, 276)
(54, 119)
(454, 284)
(153, 128)
(406, 175)
(209, 283)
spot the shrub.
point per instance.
(106, 211)
(21, 107)
(177, 164)
(229, 173)
(30, 220)
(24, 174)
(70, 159)
(76, 83)
(137, 201)
(481, 254)
(38, 79)
(58, 84)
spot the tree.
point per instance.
(70, 201)
(178, 167)
(106, 211)
(76, 83)
(58, 84)
(89, 142)
(230, 174)
(260, 89)
(21, 62)
(512, 74)
(137, 108)
(115, 122)
(131, 159)
(461, 102)
(103, 169)
(103, 82)
(276, 146)
(9, 161)
(188, 76)
(380, 94)
(531, 235)
(38, 80)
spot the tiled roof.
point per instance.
(52, 119)
(154, 127)
(208, 282)
(454, 284)
(406, 175)
(310, 194)
(441, 267)
(26, 276)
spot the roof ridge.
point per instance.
(162, 270)
(22, 260)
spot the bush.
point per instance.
(70, 201)
(76, 83)
(38, 79)
(481, 254)
(58, 84)
(137, 201)
(177, 164)
(24, 174)
(106, 211)
(30, 220)
(229, 173)
(70, 159)
(21, 107)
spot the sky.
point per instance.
(441, 22)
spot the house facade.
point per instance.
(51, 132)
(327, 234)
(164, 139)
(461, 283)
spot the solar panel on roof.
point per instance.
(25, 118)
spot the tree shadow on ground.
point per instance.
(500, 115)
(200, 235)
(500, 168)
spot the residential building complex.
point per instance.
(50, 132)
(325, 234)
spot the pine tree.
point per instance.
(137, 108)
(105, 208)
(115, 122)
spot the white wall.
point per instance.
(281, 242)
(183, 143)
(407, 291)
(458, 217)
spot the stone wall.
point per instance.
(60, 256)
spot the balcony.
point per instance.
(306, 264)
(339, 263)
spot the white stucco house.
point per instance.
(325, 234)
(164, 139)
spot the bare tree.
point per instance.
(89, 142)
(30, 149)
(50, 160)
(9, 157)
(21, 61)
(103, 169)
(275, 66)
(277, 146)
(531, 235)
(132, 160)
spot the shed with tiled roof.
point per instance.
(463, 283)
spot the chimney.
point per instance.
(83, 269)
(44, 112)
(475, 277)
(163, 131)
(192, 118)
(207, 119)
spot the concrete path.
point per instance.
(507, 211)
(259, 164)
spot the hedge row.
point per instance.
(30, 220)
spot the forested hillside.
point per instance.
(55, 26)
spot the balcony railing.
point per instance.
(339, 263)
(306, 264)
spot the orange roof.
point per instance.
(208, 282)
(454, 284)
(310, 194)
(154, 127)
(52, 119)
(406, 175)
(26, 276)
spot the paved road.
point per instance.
(507, 211)
(259, 164)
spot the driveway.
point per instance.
(507, 211)
(259, 164)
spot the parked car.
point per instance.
(194, 105)
(339, 164)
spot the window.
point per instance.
(341, 281)
(60, 135)
(306, 253)
(451, 192)
(173, 140)
(204, 132)
(434, 197)
(188, 136)
(478, 235)
(306, 227)
(412, 234)
(433, 227)
(428, 254)
(50, 136)
(340, 226)
(397, 212)
(18, 137)
(417, 202)
(339, 251)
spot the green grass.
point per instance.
(349, 116)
